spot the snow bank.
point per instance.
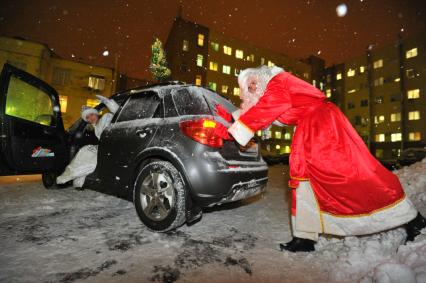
(382, 258)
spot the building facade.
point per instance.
(77, 83)
(383, 95)
(207, 58)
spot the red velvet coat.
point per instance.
(326, 150)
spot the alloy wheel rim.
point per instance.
(157, 195)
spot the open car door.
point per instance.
(32, 135)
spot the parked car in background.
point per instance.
(160, 151)
(411, 155)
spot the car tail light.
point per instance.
(202, 131)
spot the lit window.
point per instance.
(259, 133)
(351, 90)
(200, 60)
(314, 83)
(287, 136)
(396, 117)
(239, 54)
(224, 89)
(226, 69)
(92, 102)
(227, 50)
(361, 69)
(414, 136)
(379, 119)
(200, 39)
(250, 58)
(379, 81)
(198, 80)
(378, 64)
(278, 135)
(213, 66)
(236, 91)
(328, 92)
(306, 75)
(262, 61)
(380, 138)
(287, 149)
(411, 53)
(268, 147)
(414, 115)
(351, 72)
(212, 86)
(379, 153)
(321, 86)
(397, 80)
(339, 76)
(237, 72)
(63, 101)
(185, 45)
(277, 146)
(215, 46)
(413, 93)
(271, 64)
(96, 82)
(395, 137)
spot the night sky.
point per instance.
(85, 29)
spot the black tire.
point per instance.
(155, 216)
(49, 180)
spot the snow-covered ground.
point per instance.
(72, 236)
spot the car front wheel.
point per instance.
(159, 196)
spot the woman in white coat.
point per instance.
(85, 160)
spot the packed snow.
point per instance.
(86, 236)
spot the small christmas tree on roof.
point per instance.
(158, 65)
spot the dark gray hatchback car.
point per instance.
(160, 150)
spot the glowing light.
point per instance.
(341, 10)
(105, 53)
(209, 124)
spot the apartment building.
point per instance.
(208, 58)
(382, 93)
(77, 83)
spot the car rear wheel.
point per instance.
(159, 196)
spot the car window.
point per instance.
(213, 99)
(169, 107)
(28, 102)
(140, 106)
(190, 102)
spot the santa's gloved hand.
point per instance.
(109, 103)
(221, 131)
(222, 112)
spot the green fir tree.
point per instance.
(158, 65)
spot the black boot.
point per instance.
(414, 227)
(298, 245)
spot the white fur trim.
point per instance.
(88, 111)
(382, 220)
(241, 133)
(302, 234)
(310, 219)
(236, 114)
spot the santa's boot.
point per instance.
(298, 245)
(414, 227)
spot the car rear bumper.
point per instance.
(216, 181)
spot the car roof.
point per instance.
(161, 86)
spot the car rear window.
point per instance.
(190, 102)
(214, 98)
(140, 106)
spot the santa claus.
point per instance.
(338, 187)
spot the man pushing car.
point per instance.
(338, 187)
